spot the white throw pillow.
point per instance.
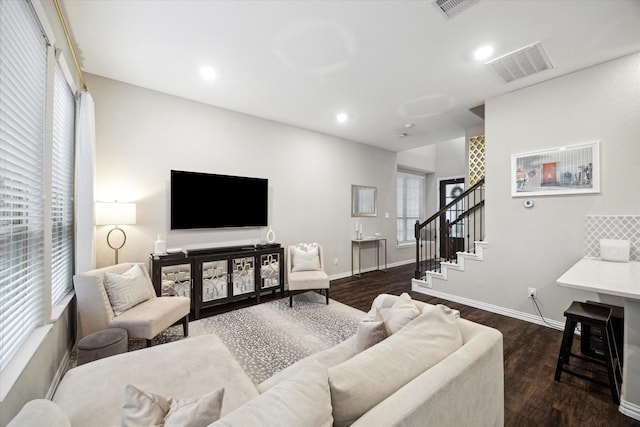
(144, 409)
(370, 332)
(402, 312)
(369, 377)
(302, 400)
(127, 290)
(306, 260)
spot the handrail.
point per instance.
(466, 213)
(436, 241)
(453, 203)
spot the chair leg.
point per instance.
(149, 343)
(327, 296)
(290, 300)
(185, 325)
(613, 367)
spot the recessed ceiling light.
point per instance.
(208, 73)
(342, 117)
(402, 135)
(408, 125)
(483, 52)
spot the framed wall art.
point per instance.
(573, 169)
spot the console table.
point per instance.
(621, 279)
(357, 243)
(213, 276)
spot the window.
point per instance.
(27, 165)
(410, 193)
(64, 110)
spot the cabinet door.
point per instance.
(243, 275)
(270, 270)
(176, 280)
(214, 279)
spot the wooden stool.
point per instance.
(597, 317)
(591, 340)
(97, 345)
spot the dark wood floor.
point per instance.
(532, 397)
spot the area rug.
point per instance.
(268, 337)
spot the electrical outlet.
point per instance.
(335, 261)
(532, 293)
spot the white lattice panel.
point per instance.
(476, 159)
(624, 227)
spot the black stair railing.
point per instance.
(435, 244)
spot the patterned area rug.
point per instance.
(268, 337)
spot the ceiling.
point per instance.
(386, 64)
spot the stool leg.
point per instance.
(565, 347)
(612, 365)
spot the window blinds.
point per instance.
(22, 117)
(62, 187)
(410, 203)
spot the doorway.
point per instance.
(451, 189)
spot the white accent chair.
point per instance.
(305, 269)
(145, 320)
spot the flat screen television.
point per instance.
(203, 200)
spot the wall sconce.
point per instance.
(115, 213)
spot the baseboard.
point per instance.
(64, 365)
(418, 286)
(629, 409)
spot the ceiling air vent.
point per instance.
(453, 7)
(521, 63)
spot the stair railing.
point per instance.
(459, 234)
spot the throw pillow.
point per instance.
(369, 377)
(127, 290)
(150, 410)
(402, 312)
(370, 332)
(302, 400)
(306, 259)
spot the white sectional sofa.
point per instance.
(352, 383)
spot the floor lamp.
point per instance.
(116, 214)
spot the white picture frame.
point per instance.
(573, 169)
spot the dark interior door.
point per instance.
(450, 189)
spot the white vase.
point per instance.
(160, 246)
(271, 236)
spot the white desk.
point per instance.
(621, 279)
(357, 243)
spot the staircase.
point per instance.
(451, 236)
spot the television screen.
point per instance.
(202, 200)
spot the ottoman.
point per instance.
(97, 345)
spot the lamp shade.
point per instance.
(115, 213)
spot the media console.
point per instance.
(213, 276)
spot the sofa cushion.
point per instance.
(91, 394)
(302, 400)
(370, 332)
(126, 290)
(366, 379)
(40, 412)
(401, 312)
(142, 408)
(329, 357)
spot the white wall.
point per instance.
(141, 135)
(533, 247)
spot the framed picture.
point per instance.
(573, 169)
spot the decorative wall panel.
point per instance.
(624, 227)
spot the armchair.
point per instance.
(305, 269)
(146, 319)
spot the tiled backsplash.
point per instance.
(624, 227)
